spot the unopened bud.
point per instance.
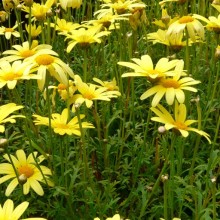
(3, 142)
(165, 17)
(216, 2)
(28, 3)
(217, 52)
(22, 179)
(165, 177)
(213, 179)
(161, 129)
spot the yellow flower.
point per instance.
(8, 32)
(33, 30)
(144, 67)
(62, 25)
(110, 85)
(171, 87)
(89, 93)
(213, 23)
(39, 11)
(174, 42)
(108, 20)
(25, 51)
(11, 73)
(10, 4)
(120, 7)
(165, 20)
(3, 16)
(179, 122)
(47, 60)
(85, 36)
(7, 211)
(70, 4)
(190, 24)
(115, 217)
(173, 219)
(61, 125)
(28, 172)
(5, 111)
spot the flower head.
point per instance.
(21, 52)
(187, 23)
(9, 31)
(110, 85)
(85, 36)
(27, 169)
(61, 125)
(33, 30)
(5, 111)
(179, 122)
(212, 23)
(7, 211)
(144, 67)
(175, 42)
(64, 26)
(70, 4)
(171, 87)
(11, 73)
(39, 11)
(90, 92)
(47, 60)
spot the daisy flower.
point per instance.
(120, 7)
(33, 30)
(39, 11)
(144, 67)
(11, 73)
(108, 21)
(48, 61)
(175, 42)
(64, 26)
(7, 211)
(3, 16)
(10, 4)
(171, 87)
(61, 125)
(90, 92)
(5, 111)
(110, 85)
(85, 36)
(25, 50)
(70, 4)
(190, 24)
(27, 172)
(179, 122)
(115, 217)
(9, 31)
(212, 23)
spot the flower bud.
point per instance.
(217, 52)
(161, 129)
(22, 179)
(28, 3)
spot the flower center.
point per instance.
(11, 76)
(44, 59)
(89, 96)
(180, 125)
(9, 29)
(155, 72)
(62, 126)
(26, 170)
(170, 83)
(61, 86)
(27, 53)
(186, 19)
